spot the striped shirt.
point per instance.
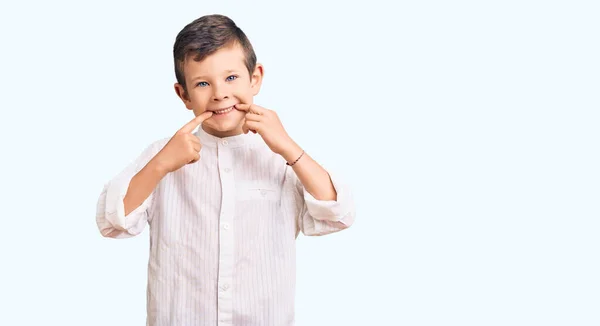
(222, 232)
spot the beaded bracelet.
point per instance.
(296, 159)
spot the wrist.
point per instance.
(291, 152)
(156, 168)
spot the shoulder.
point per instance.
(158, 144)
(153, 148)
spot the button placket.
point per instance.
(226, 242)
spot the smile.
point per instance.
(224, 111)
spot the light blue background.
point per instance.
(469, 130)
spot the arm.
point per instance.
(123, 206)
(142, 185)
(313, 176)
(324, 204)
(118, 217)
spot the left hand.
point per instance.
(267, 124)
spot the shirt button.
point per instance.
(225, 226)
(227, 170)
(263, 193)
(224, 287)
(224, 142)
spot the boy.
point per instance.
(224, 204)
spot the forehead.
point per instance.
(224, 59)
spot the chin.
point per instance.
(226, 127)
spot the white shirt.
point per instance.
(222, 233)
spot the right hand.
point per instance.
(183, 148)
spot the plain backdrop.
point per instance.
(469, 131)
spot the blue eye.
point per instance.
(202, 84)
(231, 78)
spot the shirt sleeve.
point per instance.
(322, 217)
(110, 211)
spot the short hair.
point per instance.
(204, 36)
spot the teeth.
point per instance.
(224, 110)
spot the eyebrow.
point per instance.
(230, 71)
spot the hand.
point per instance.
(267, 124)
(183, 148)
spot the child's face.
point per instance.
(217, 83)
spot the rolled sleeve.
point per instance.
(132, 223)
(320, 217)
(110, 214)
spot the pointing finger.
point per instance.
(242, 107)
(254, 117)
(190, 126)
(252, 108)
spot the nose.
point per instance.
(219, 93)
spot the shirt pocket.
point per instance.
(253, 191)
(258, 216)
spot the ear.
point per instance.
(257, 78)
(180, 90)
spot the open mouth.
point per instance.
(223, 111)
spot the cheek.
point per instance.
(244, 96)
(198, 100)
(196, 96)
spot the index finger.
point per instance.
(188, 127)
(252, 108)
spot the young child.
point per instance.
(225, 203)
